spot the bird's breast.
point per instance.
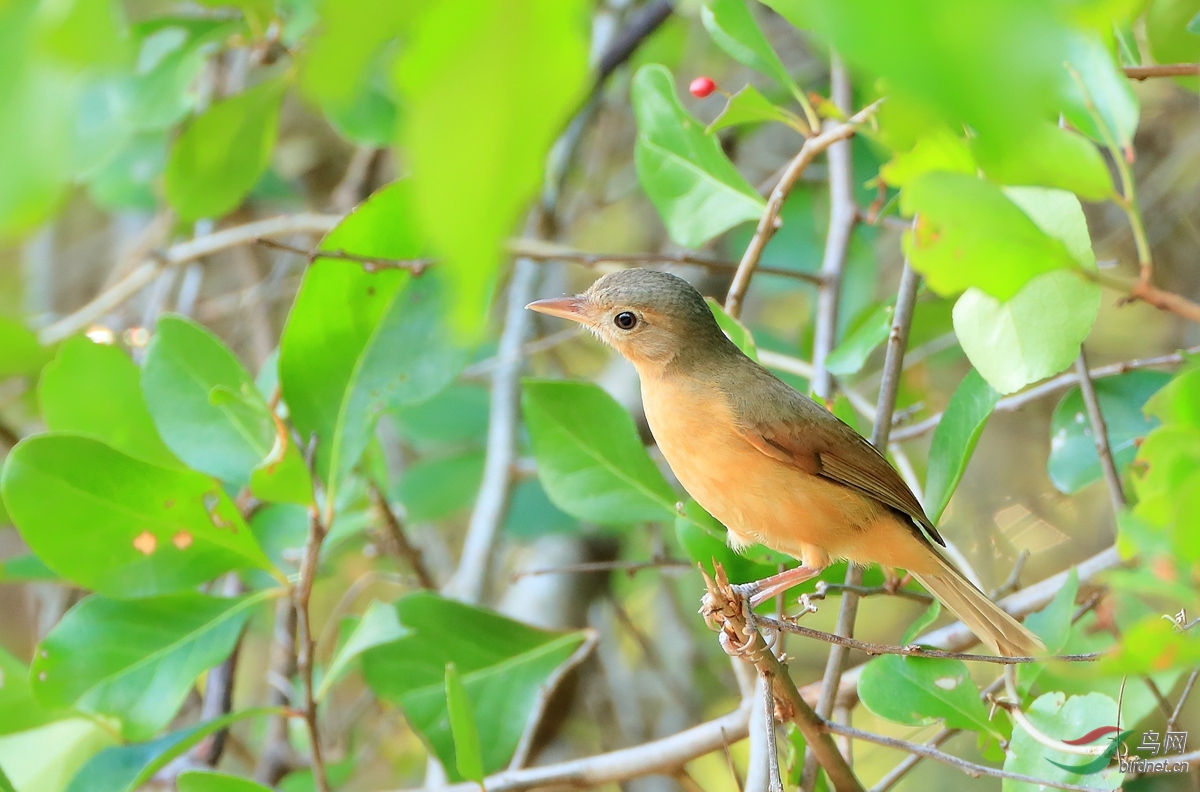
(758, 498)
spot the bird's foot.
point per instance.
(893, 582)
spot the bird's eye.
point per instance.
(625, 320)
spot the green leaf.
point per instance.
(748, 106)
(129, 179)
(46, 758)
(457, 417)
(737, 332)
(937, 150)
(223, 151)
(19, 711)
(1099, 98)
(171, 53)
(969, 233)
(387, 345)
(693, 185)
(433, 489)
(954, 440)
(468, 758)
(590, 459)
(531, 514)
(1049, 157)
(126, 768)
(26, 568)
(919, 690)
(1179, 400)
(1166, 459)
(704, 540)
(150, 530)
(136, 660)
(5, 784)
(1171, 31)
(791, 10)
(1038, 331)
(1065, 719)
(20, 352)
(851, 354)
(505, 667)
(207, 408)
(205, 781)
(111, 408)
(379, 625)
(1073, 461)
(480, 117)
(919, 625)
(734, 30)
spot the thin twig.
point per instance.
(1054, 385)
(399, 539)
(823, 589)
(915, 650)
(369, 263)
(1183, 697)
(184, 252)
(956, 637)
(301, 595)
(628, 567)
(218, 687)
(1162, 70)
(1013, 581)
(1112, 477)
(899, 771)
(970, 768)
(768, 223)
(545, 251)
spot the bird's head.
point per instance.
(652, 318)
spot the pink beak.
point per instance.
(565, 308)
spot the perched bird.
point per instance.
(770, 463)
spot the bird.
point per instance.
(771, 464)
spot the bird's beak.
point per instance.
(564, 307)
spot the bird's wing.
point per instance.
(820, 444)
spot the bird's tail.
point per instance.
(1003, 634)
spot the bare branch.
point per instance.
(768, 223)
(480, 541)
(1112, 477)
(176, 255)
(399, 539)
(1183, 697)
(628, 567)
(899, 771)
(970, 768)
(656, 756)
(956, 637)
(1162, 70)
(915, 650)
(1060, 383)
(301, 596)
(726, 611)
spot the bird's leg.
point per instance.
(759, 591)
(892, 581)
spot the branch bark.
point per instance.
(1112, 477)
(769, 222)
(1162, 70)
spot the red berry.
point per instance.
(702, 87)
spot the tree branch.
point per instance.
(660, 756)
(1060, 383)
(1162, 70)
(178, 254)
(399, 539)
(970, 768)
(1112, 477)
(914, 650)
(769, 222)
(301, 595)
(956, 637)
(726, 611)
